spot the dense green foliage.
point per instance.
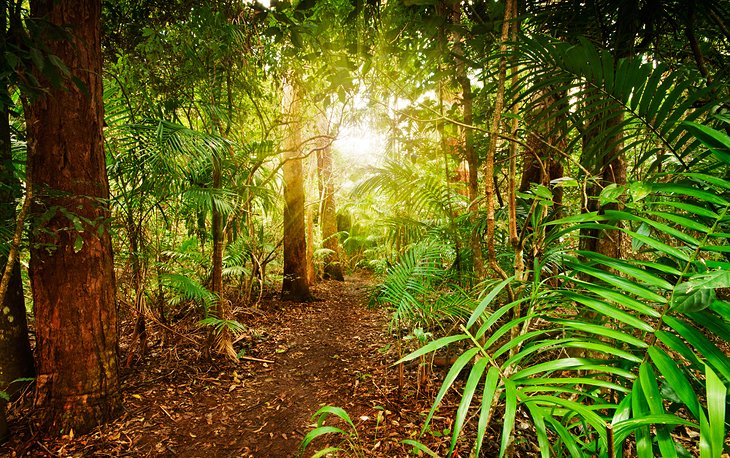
(585, 285)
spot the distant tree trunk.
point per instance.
(16, 358)
(311, 272)
(470, 154)
(328, 215)
(217, 229)
(609, 166)
(295, 286)
(509, 14)
(541, 161)
(71, 267)
(220, 342)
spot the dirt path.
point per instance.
(333, 352)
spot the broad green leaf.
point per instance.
(694, 301)
(605, 332)
(654, 400)
(538, 420)
(421, 447)
(475, 376)
(487, 301)
(610, 311)
(451, 376)
(431, 347)
(339, 412)
(319, 431)
(510, 410)
(675, 378)
(714, 356)
(638, 190)
(640, 410)
(716, 408)
(711, 280)
(611, 193)
(621, 283)
(490, 389)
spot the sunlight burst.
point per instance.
(361, 144)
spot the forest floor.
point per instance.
(334, 351)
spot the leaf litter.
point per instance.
(297, 358)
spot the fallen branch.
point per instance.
(251, 358)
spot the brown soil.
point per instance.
(331, 352)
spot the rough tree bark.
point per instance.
(71, 267)
(295, 286)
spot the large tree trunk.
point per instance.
(328, 215)
(295, 286)
(16, 358)
(71, 267)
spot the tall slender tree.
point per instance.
(16, 358)
(71, 267)
(328, 210)
(296, 284)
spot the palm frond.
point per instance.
(645, 97)
(623, 348)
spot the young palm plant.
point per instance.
(650, 356)
(620, 353)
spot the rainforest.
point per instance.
(365, 228)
